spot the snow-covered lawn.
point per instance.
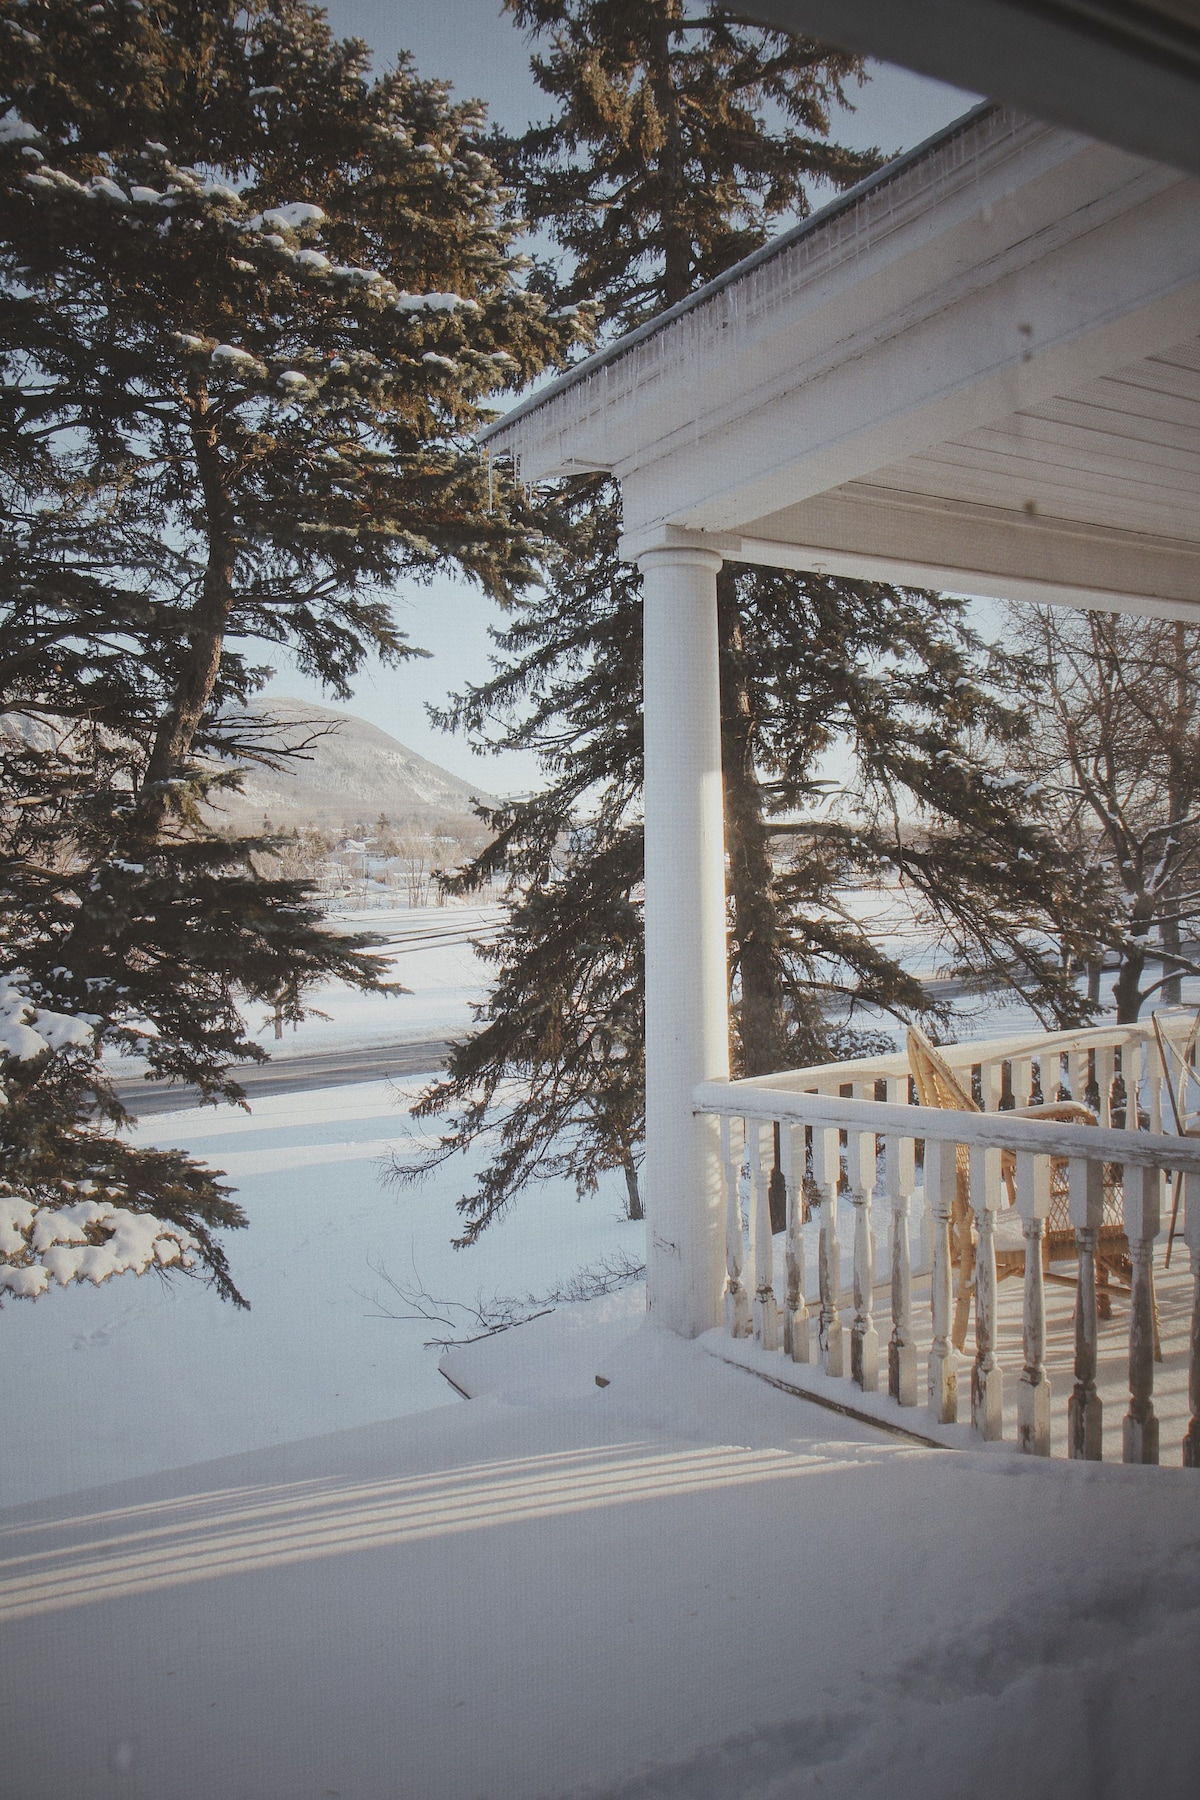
(272, 1556)
(433, 959)
(682, 1584)
(105, 1383)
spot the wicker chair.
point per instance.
(938, 1085)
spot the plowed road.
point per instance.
(293, 1074)
(337, 1068)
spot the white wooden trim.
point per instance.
(1096, 1143)
(687, 1018)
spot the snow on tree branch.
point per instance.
(85, 1240)
(91, 1236)
(28, 1031)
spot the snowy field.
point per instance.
(141, 1375)
(429, 953)
(682, 1585)
(138, 1375)
(273, 1556)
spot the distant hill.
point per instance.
(347, 776)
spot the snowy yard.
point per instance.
(104, 1383)
(136, 1376)
(681, 1584)
(272, 1555)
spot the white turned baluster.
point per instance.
(899, 1175)
(1106, 1071)
(991, 1084)
(1078, 1065)
(941, 1186)
(1151, 1073)
(1022, 1079)
(1033, 1389)
(795, 1315)
(737, 1302)
(1085, 1409)
(760, 1142)
(826, 1170)
(987, 1378)
(1143, 1201)
(864, 1338)
(1191, 1234)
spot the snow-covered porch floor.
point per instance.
(684, 1583)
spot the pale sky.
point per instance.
(470, 44)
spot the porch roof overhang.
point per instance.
(977, 371)
(1125, 71)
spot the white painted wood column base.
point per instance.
(687, 1007)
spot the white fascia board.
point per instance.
(974, 583)
(878, 333)
(954, 547)
(624, 403)
(990, 542)
(1030, 322)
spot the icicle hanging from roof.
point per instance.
(675, 349)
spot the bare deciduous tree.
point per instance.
(1115, 703)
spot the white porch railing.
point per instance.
(832, 1138)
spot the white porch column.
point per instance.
(687, 1010)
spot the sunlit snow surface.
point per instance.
(683, 1583)
(141, 1375)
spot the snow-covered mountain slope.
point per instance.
(349, 773)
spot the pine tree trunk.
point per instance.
(633, 1194)
(201, 664)
(206, 639)
(762, 1027)
(677, 240)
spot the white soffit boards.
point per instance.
(981, 371)
(1087, 498)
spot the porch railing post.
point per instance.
(1191, 1232)
(766, 1311)
(1022, 1076)
(1085, 1409)
(941, 1187)
(864, 1338)
(902, 1349)
(1143, 1200)
(1033, 1391)
(987, 1377)
(795, 1315)
(737, 1304)
(827, 1166)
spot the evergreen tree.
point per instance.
(677, 141)
(679, 138)
(252, 306)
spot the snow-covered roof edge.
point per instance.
(984, 124)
